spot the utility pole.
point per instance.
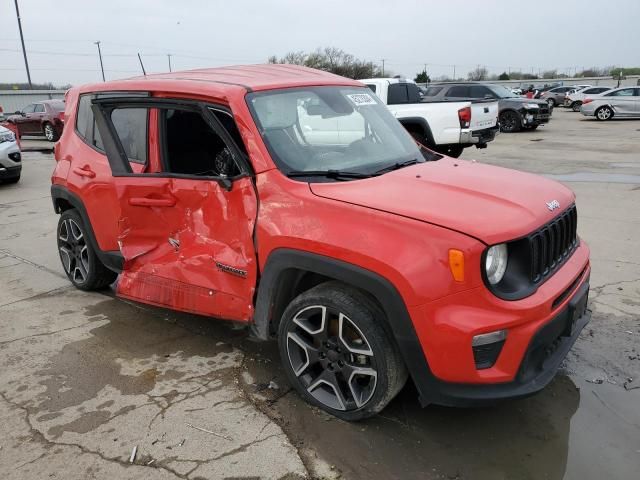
(24, 51)
(169, 57)
(100, 55)
(383, 67)
(454, 72)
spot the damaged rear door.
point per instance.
(186, 222)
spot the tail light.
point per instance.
(464, 115)
(587, 100)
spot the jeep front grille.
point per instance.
(551, 245)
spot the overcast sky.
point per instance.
(529, 36)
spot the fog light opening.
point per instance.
(487, 347)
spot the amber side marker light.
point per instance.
(456, 264)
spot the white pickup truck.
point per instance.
(447, 127)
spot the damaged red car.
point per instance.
(292, 200)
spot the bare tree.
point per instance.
(478, 73)
(334, 60)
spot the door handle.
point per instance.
(152, 202)
(84, 171)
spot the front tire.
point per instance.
(337, 354)
(604, 113)
(509, 122)
(79, 260)
(50, 132)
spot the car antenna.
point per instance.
(142, 65)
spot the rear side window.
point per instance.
(432, 91)
(85, 123)
(398, 94)
(413, 93)
(39, 108)
(131, 125)
(459, 91)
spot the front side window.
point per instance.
(330, 128)
(480, 91)
(29, 108)
(459, 91)
(192, 147)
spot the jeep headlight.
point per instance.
(496, 263)
(7, 137)
(531, 106)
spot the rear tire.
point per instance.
(575, 106)
(79, 260)
(50, 132)
(604, 113)
(509, 122)
(337, 354)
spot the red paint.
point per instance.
(172, 232)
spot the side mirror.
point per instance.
(18, 112)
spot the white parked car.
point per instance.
(444, 126)
(10, 157)
(574, 100)
(620, 102)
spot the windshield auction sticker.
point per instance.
(360, 99)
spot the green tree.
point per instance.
(504, 76)
(422, 77)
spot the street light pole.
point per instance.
(24, 51)
(100, 55)
(383, 67)
(169, 57)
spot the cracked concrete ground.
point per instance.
(86, 377)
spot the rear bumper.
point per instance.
(475, 137)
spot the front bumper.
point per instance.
(537, 341)
(10, 160)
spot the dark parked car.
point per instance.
(515, 112)
(40, 118)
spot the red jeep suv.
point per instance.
(292, 200)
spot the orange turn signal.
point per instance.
(456, 264)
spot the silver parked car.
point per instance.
(574, 100)
(555, 96)
(619, 102)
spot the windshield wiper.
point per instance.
(397, 166)
(337, 174)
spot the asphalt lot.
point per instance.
(85, 377)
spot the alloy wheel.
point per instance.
(74, 252)
(604, 113)
(331, 358)
(49, 133)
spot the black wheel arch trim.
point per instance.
(422, 123)
(113, 260)
(399, 321)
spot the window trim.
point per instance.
(116, 155)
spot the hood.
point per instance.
(522, 100)
(492, 204)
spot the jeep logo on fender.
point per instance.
(552, 205)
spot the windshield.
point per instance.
(502, 92)
(330, 128)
